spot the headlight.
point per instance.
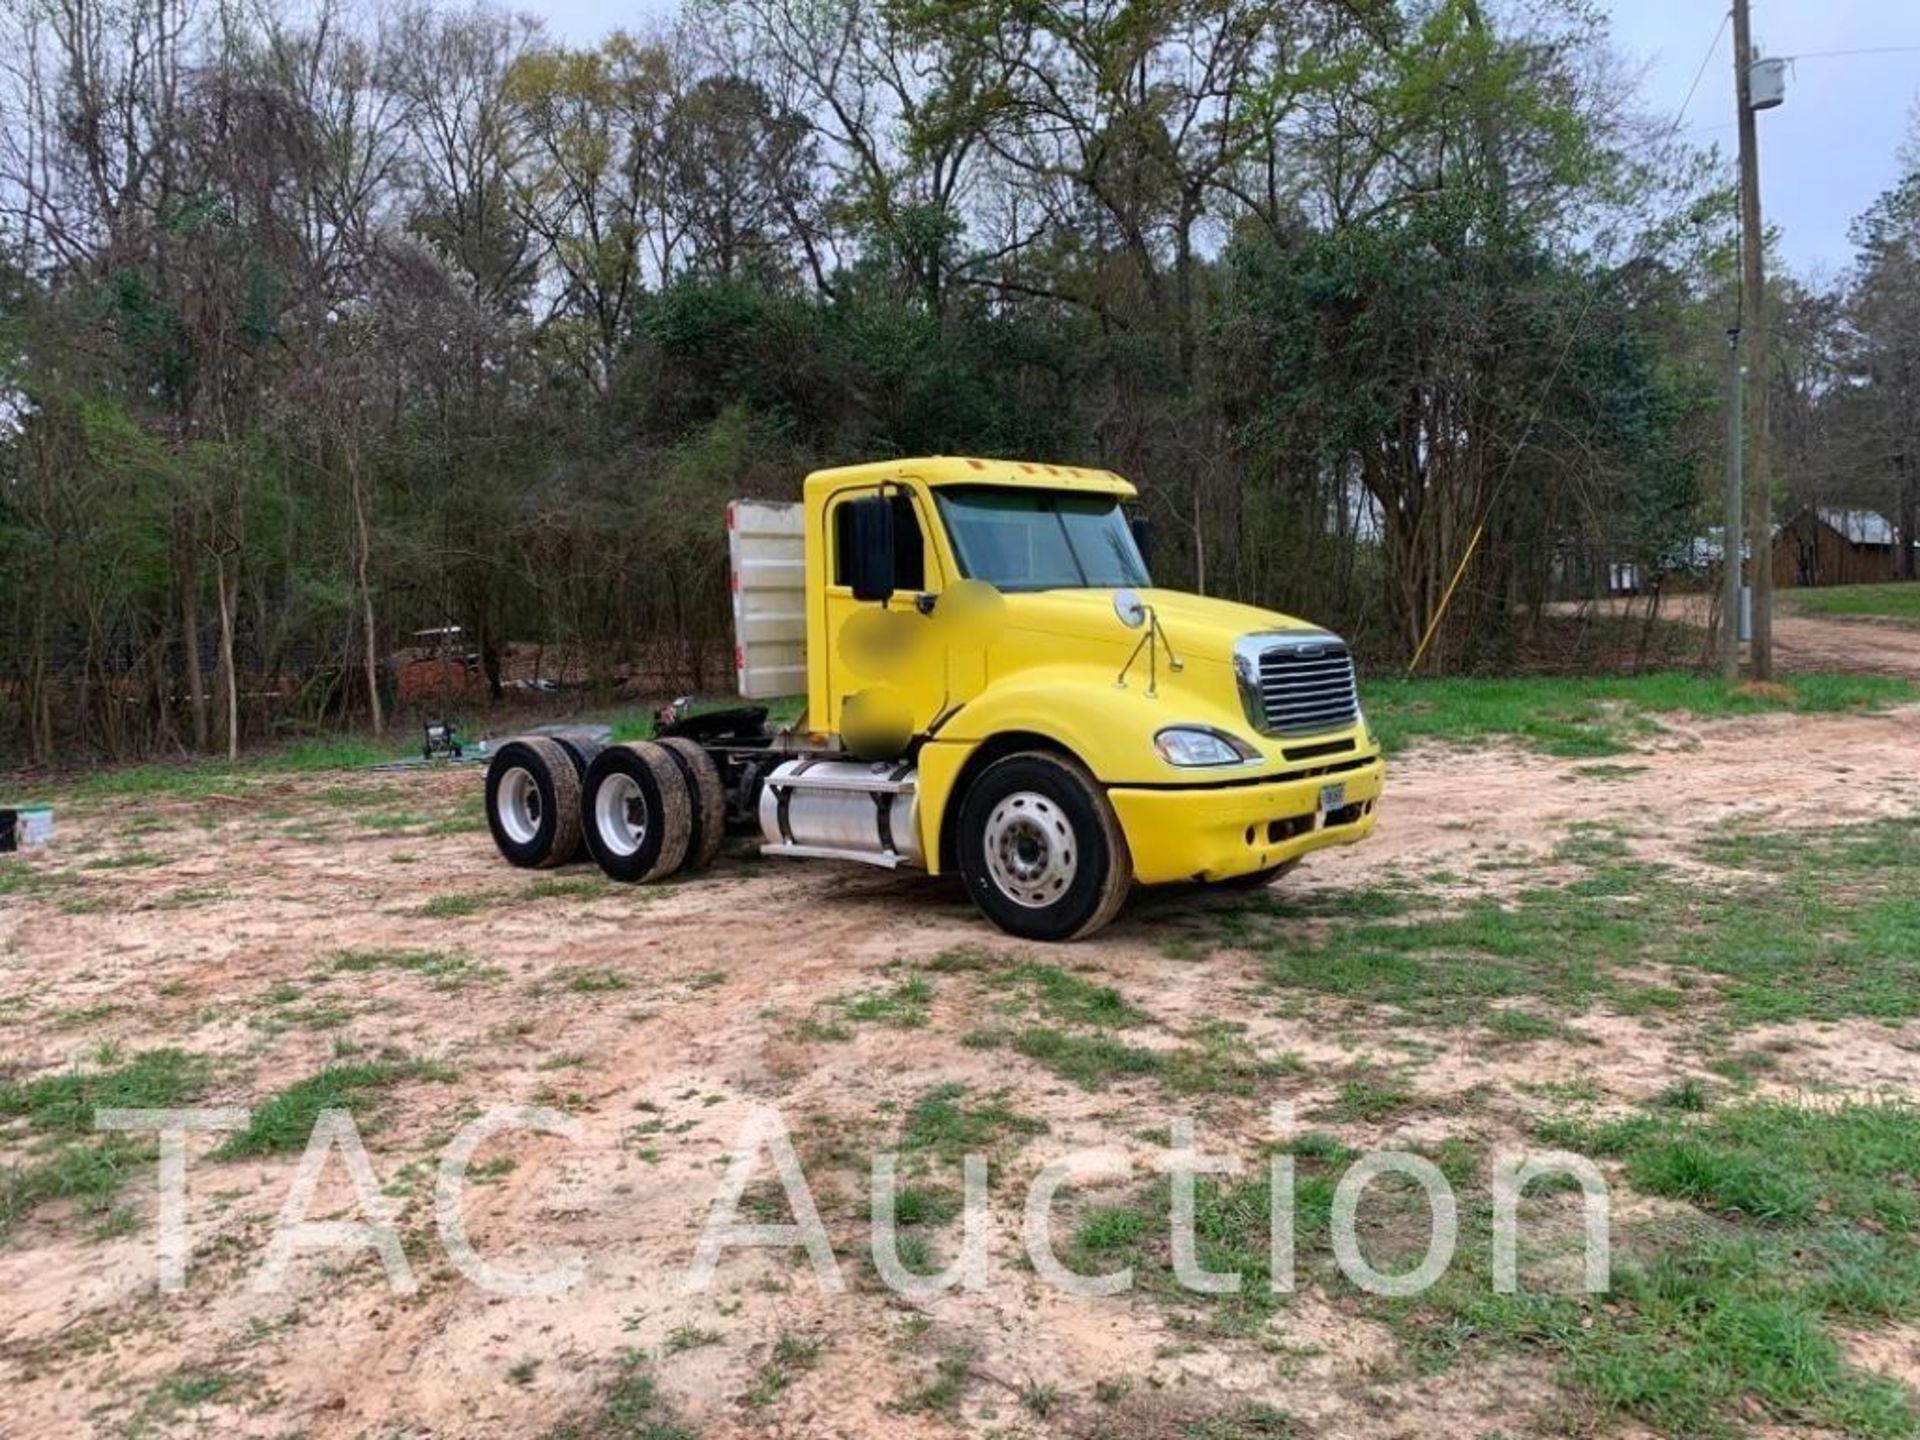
(1201, 745)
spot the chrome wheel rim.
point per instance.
(518, 802)
(620, 814)
(1031, 854)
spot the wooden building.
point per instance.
(1826, 545)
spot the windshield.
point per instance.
(1040, 539)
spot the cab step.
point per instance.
(885, 859)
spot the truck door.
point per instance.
(884, 660)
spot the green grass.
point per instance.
(630, 725)
(960, 959)
(628, 728)
(1069, 998)
(1220, 1064)
(792, 1356)
(199, 778)
(1703, 1337)
(1595, 716)
(66, 1158)
(1722, 1317)
(446, 969)
(1521, 1027)
(1369, 1101)
(284, 1121)
(23, 876)
(689, 1337)
(925, 1205)
(394, 821)
(581, 887)
(188, 896)
(948, 1122)
(65, 1103)
(452, 907)
(1251, 1420)
(587, 980)
(1108, 1229)
(182, 1392)
(89, 1173)
(338, 752)
(126, 860)
(632, 1409)
(84, 1015)
(903, 1006)
(1090, 1061)
(1897, 601)
(943, 1391)
(1771, 1162)
(1797, 925)
(1817, 1223)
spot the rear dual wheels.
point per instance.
(533, 802)
(706, 798)
(1040, 849)
(636, 812)
(650, 809)
(642, 811)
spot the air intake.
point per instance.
(1297, 684)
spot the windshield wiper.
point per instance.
(1066, 539)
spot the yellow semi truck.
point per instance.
(994, 687)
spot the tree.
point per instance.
(1881, 355)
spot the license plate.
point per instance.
(1333, 797)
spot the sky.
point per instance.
(1825, 155)
(1833, 147)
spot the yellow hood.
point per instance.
(1196, 626)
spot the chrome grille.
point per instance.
(1305, 686)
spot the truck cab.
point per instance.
(995, 687)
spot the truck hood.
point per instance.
(1195, 625)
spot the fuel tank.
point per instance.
(842, 810)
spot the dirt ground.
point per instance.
(1853, 645)
(660, 1018)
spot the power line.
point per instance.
(1700, 74)
(1871, 50)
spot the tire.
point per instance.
(709, 797)
(1040, 849)
(581, 748)
(636, 812)
(533, 803)
(1255, 879)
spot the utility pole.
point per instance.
(1733, 516)
(1753, 328)
(1909, 503)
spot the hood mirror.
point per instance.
(1130, 608)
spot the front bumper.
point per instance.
(1214, 832)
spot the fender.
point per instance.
(1074, 706)
(1108, 725)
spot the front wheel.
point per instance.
(1040, 850)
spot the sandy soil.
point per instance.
(1859, 644)
(660, 1018)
